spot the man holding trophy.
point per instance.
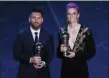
(33, 48)
(76, 45)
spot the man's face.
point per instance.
(72, 15)
(36, 20)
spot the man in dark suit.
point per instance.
(24, 50)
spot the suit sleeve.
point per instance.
(18, 51)
(89, 49)
(49, 49)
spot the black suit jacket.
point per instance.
(23, 50)
(76, 67)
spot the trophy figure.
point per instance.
(64, 35)
(38, 49)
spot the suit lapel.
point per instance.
(42, 36)
(30, 37)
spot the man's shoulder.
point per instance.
(47, 32)
(23, 32)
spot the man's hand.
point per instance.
(39, 65)
(35, 59)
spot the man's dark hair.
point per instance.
(38, 10)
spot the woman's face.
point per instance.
(72, 15)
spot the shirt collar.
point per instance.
(33, 31)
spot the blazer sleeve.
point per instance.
(89, 49)
(49, 49)
(18, 50)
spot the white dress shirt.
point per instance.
(33, 33)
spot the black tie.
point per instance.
(36, 37)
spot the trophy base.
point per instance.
(65, 54)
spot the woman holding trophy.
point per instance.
(76, 45)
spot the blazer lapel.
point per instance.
(30, 37)
(42, 36)
(78, 36)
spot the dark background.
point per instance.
(14, 18)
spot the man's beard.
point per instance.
(35, 26)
